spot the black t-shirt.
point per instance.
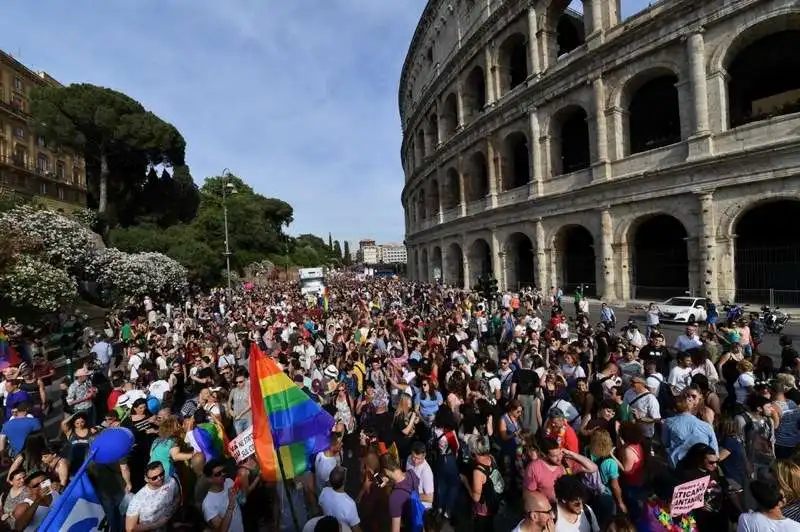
(659, 355)
(789, 357)
(527, 381)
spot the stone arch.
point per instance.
(414, 267)
(564, 30)
(422, 205)
(767, 252)
(474, 93)
(480, 258)
(432, 133)
(570, 143)
(512, 59)
(420, 145)
(478, 177)
(449, 116)
(435, 199)
(658, 251)
(574, 259)
(452, 189)
(454, 269)
(519, 261)
(424, 266)
(777, 20)
(516, 160)
(651, 100)
(437, 265)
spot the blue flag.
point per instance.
(78, 509)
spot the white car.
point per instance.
(683, 309)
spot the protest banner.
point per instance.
(242, 446)
(688, 496)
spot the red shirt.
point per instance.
(113, 397)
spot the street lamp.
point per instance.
(227, 189)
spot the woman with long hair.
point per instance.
(404, 425)
(78, 436)
(632, 458)
(700, 461)
(606, 503)
(446, 464)
(787, 473)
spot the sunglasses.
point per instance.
(239, 382)
(160, 476)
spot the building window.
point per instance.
(43, 189)
(42, 164)
(61, 170)
(61, 193)
(20, 156)
(76, 175)
(19, 132)
(18, 104)
(18, 87)
(41, 142)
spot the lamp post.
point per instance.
(226, 175)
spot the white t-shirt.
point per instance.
(425, 475)
(133, 363)
(758, 522)
(323, 465)
(158, 389)
(645, 406)
(680, 378)
(216, 504)
(742, 385)
(152, 505)
(339, 505)
(654, 382)
(587, 522)
(312, 524)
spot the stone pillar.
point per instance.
(498, 255)
(618, 141)
(541, 256)
(601, 169)
(595, 37)
(533, 43)
(439, 195)
(546, 159)
(535, 186)
(491, 164)
(622, 262)
(489, 74)
(700, 144)
(465, 262)
(439, 133)
(608, 290)
(460, 107)
(707, 247)
(726, 268)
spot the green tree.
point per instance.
(346, 252)
(337, 251)
(114, 133)
(330, 241)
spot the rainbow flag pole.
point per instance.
(288, 427)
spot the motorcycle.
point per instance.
(774, 319)
(733, 311)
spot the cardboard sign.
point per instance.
(688, 496)
(242, 446)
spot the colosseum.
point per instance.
(644, 156)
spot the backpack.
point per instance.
(493, 489)
(596, 388)
(505, 385)
(666, 399)
(415, 512)
(486, 389)
(593, 482)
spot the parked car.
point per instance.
(683, 309)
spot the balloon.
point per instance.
(153, 404)
(111, 445)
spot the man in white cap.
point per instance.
(80, 395)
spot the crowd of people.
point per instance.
(449, 409)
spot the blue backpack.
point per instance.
(415, 512)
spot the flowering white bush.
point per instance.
(87, 217)
(33, 283)
(65, 243)
(136, 274)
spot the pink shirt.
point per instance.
(540, 477)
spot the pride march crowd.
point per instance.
(396, 406)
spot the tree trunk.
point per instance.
(103, 199)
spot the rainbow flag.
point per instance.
(325, 299)
(285, 420)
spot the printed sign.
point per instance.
(689, 496)
(242, 446)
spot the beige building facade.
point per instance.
(29, 165)
(644, 158)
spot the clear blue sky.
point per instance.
(298, 97)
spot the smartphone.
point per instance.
(45, 486)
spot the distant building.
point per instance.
(29, 164)
(370, 252)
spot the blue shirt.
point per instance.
(102, 350)
(684, 430)
(12, 400)
(427, 406)
(17, 430)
